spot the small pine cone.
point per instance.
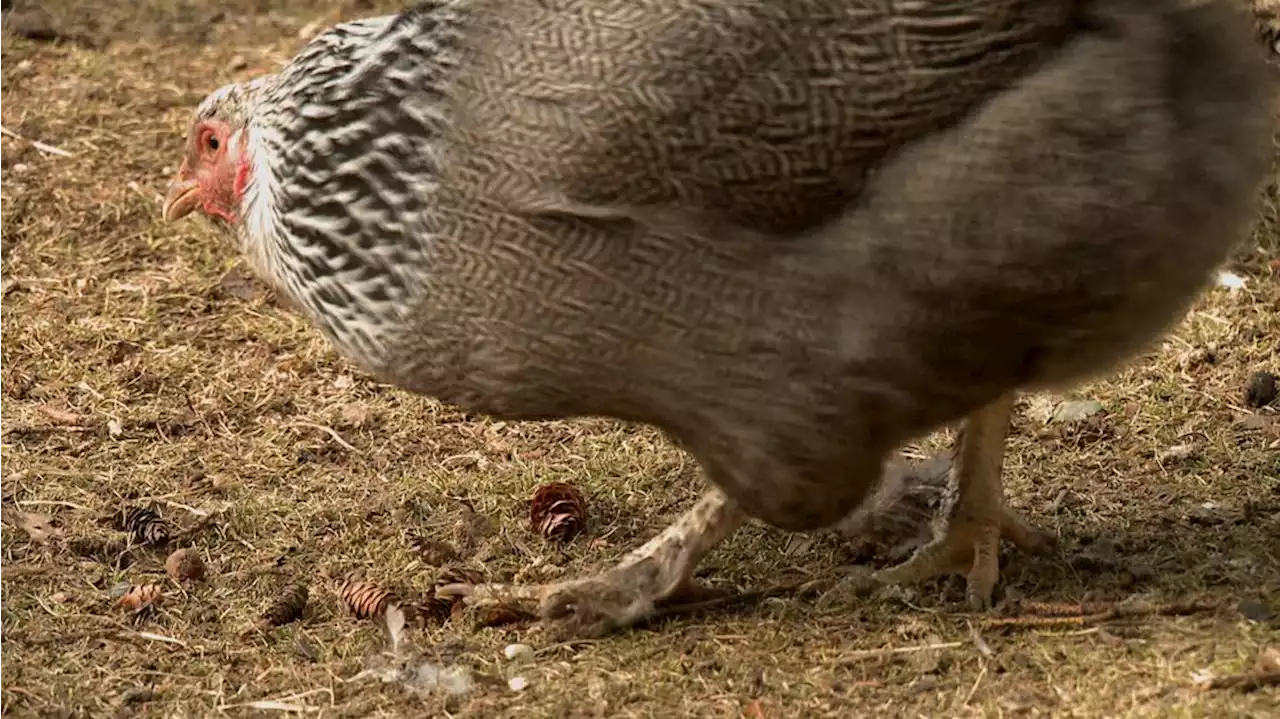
(146, 525)
(140, 598)
(287, 607)
(365, 600)
(558, 511)
(441, 609)
(184, 565)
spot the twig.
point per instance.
(1043, 615)
(51, 503)
(1050, 621)
(199, 526)
(202, 513)
(35, 143)
(284, 703)
(1244, 681)
(567, 644)
(332, 433)
(12, 572)
(160, 638)
(976, 683)
(860, 655)
(979, 643)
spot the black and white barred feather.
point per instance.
(340, 143)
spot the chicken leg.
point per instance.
(659, 572)
(973, 518)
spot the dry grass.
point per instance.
(132, 373)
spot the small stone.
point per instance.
(925, 683)
(1075, 410)
(1261, 390)
(1256, 610)
(1230, 280)
(518, 652)
(1100, 556)
(518, 684)
(775, 604)
(137, 695)
(797, 545)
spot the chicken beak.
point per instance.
(181, 199)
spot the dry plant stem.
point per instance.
(1245, 681)
(200, 525)
(659, 571)
(968, 530)
(1047, 615)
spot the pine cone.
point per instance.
(365, 600)
(441, 609)
(146, 525)
(184, 565)
(287, 607)
(140, 599)
(557, 511)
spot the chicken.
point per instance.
(792, 236)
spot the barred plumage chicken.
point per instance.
(792, 235)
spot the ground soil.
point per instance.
(142, 367)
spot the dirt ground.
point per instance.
(141, 368)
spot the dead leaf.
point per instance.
(39, 527)
(61, 416)
(395, 621)
(355, 415)
(1269, 660)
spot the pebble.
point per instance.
(1076, 410)
(1261, 390)
(518, 684)
(521, 652)
(1256, 610)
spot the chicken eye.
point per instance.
(211, 140)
